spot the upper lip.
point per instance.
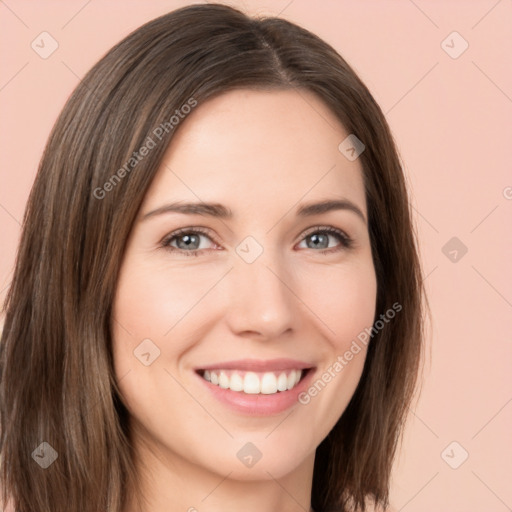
(258, 365)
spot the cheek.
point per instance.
(343, 298)
(152, 300)
(345, 302)
(157, 310)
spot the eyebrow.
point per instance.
(220, 211)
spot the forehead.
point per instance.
(252, 147)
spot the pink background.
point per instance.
(451, 120)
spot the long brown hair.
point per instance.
(56, 369)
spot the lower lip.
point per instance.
(259, 404)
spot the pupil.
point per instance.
(188, 240)
(317, 238)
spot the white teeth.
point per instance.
(269, 384)
(223, 380)
(291, 381)
(236, 383)
(252, 383)
(282, 382)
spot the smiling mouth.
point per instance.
(254, 383)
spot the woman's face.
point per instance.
(212, 329)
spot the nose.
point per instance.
(262, 303)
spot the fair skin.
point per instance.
(262, 154)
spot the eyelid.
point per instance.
(189, 229)
(324, 228)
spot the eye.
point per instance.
(188, 240)
(319, 237)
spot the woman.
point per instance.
(271, 371)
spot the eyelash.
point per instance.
(346, 241)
